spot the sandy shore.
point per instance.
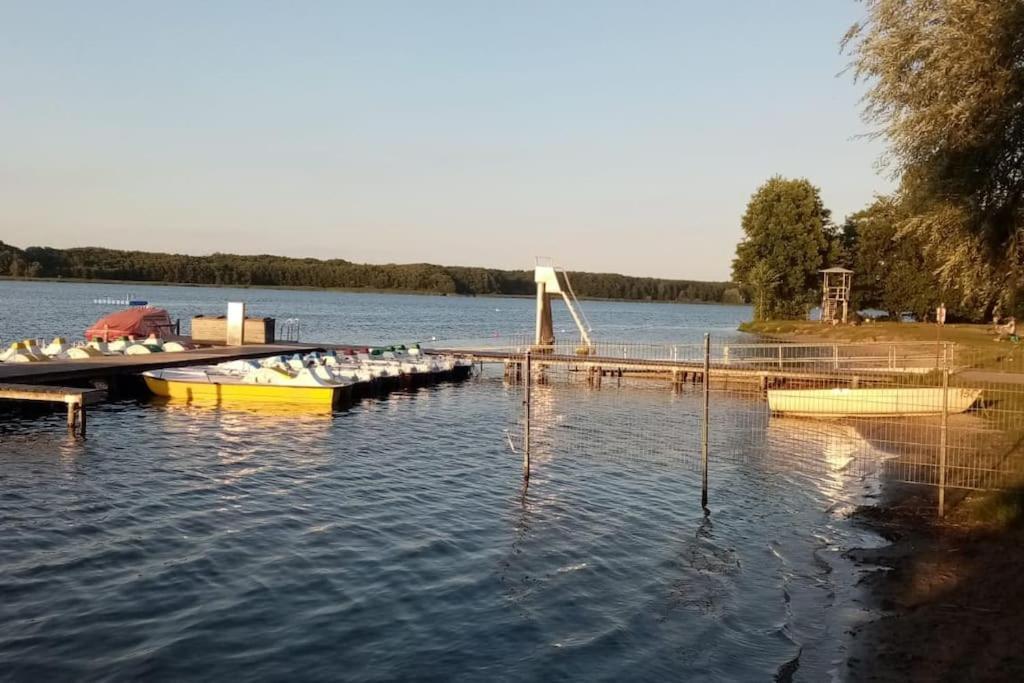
(950, 593)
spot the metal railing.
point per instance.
(289, 329)
(911, 357)
(946, 416)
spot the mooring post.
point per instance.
(527, 380)
(704, 424)
(943, 441)
(76, 416)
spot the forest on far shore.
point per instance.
(93, 263)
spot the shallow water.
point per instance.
(395, 539)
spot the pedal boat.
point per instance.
(252, 385)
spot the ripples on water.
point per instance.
(395, 540)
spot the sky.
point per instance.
(610, 136)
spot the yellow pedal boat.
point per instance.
(260, 385)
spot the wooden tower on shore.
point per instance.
(835, 294)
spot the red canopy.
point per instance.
(137, 322)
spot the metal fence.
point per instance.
(935, 414)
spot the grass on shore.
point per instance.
(813, 331)
(977, 345)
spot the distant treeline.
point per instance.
(277, 271)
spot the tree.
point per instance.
(892, 271)
(762, 282)
(733, 295)
(263, 269)
(788, 229)
(946, 89)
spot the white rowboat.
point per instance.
(870, 402)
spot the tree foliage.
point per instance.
(229, 269)
(892, 271)
(788, 238)
(946, 89)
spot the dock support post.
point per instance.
(943, 442)
(704, 425)
(76, 417)
(527, 381)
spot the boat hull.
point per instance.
(870, 402)
(241, 393)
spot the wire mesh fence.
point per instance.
(934, 413)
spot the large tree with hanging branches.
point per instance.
(945, 85)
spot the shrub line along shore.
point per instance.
(347, 290)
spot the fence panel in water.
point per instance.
(924, 413)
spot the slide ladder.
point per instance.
(573, 304)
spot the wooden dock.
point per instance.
(677, 372)
(117, 374)
(103, 367)
(75, 398)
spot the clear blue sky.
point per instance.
(612, 136)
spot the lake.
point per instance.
(394, 539)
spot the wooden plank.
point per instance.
(69, 395)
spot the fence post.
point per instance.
(780, 356)
(892, 357)
(527, 380)
(704, 424)
(835, 356)
(943, 441)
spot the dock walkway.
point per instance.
(75, 398)
(45, 372)
(764, 374)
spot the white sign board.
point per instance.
(236, 323)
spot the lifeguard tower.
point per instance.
(549, 286)
(835, 294)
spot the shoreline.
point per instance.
(948, 593)
(944, 595)
(347, 290)
(813, 332)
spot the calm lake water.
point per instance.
(44, 309)
(395, 540)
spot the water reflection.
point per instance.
(268, 412)
(402, 529)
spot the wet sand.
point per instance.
(950, 593)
